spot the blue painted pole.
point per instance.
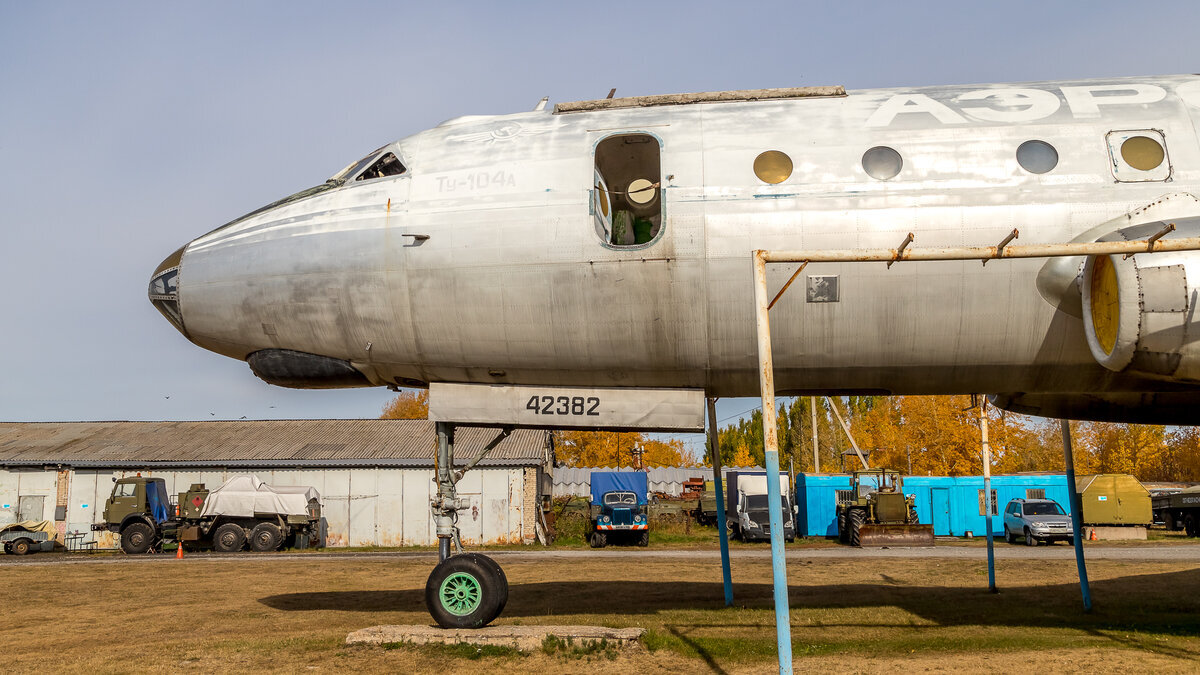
(987, 492)
(1076, 515)
(722, 528)
(766, 374)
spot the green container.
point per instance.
(1113, 499)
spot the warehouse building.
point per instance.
(376, 477)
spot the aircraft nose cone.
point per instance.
(164, 289)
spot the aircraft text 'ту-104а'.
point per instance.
(608, 243)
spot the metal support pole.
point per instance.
(1076, 515)
(766, 373)
(445, 505)
(722, 531)
(812, 408)
(987, 491)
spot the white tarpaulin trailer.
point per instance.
(245, 496)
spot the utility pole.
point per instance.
(812, 407)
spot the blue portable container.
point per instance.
(953, 504)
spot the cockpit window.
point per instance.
(370, 167)
(355, 167)
(385, 166)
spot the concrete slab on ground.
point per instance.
(525, 638)
(1115, 533)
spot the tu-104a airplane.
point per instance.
(607, 244)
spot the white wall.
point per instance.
(362, 507)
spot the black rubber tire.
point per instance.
(1030, 540)
(1189, 525)
(229, 538)
(856, 518)
(485, 581)
(137, 538)
(598, 540)
(843, 533)
(1008, 536)
(20, 546)
(1070, 541)
(644, 539)
(265, 537)
(501, 577)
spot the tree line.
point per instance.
(920, 435)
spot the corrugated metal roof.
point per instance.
(292, 443)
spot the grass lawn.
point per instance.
(293, 614)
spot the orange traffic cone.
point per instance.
(179, 551)
(1093, 537)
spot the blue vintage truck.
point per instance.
(618, 511)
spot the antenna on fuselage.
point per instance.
(541, 104)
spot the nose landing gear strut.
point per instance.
(465, 590)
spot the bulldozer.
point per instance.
(876, 512)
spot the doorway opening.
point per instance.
(627, 190)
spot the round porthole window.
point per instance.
(882, 162)
(1037, 156)
(772, 167)
(1142, 153)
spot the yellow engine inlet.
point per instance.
(1105, 307)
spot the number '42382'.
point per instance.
(564, 405)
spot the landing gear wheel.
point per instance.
(643, 539)
(598, 540)
(229, 538)
(265, 537)
(856, 518)
(136, 538)
(843, 533)
(1030, 540)
(1008, 536)
(500, 577)
(20, 547)
(463, 591)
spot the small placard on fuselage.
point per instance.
(568, 407)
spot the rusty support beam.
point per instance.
(982, 252)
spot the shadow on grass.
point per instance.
(1167, 603)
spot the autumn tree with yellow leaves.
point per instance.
(619, 449)
(409, 404)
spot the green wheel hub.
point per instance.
(460, 594)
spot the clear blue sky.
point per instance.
(127, 129)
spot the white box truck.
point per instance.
(746, 506)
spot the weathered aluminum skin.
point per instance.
(513, 286)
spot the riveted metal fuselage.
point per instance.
(513, 284)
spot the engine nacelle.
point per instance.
(1139, 311)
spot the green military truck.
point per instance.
(242, 512)
(1179, 510)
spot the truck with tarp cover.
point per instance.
(243, 512)
(619, 508)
